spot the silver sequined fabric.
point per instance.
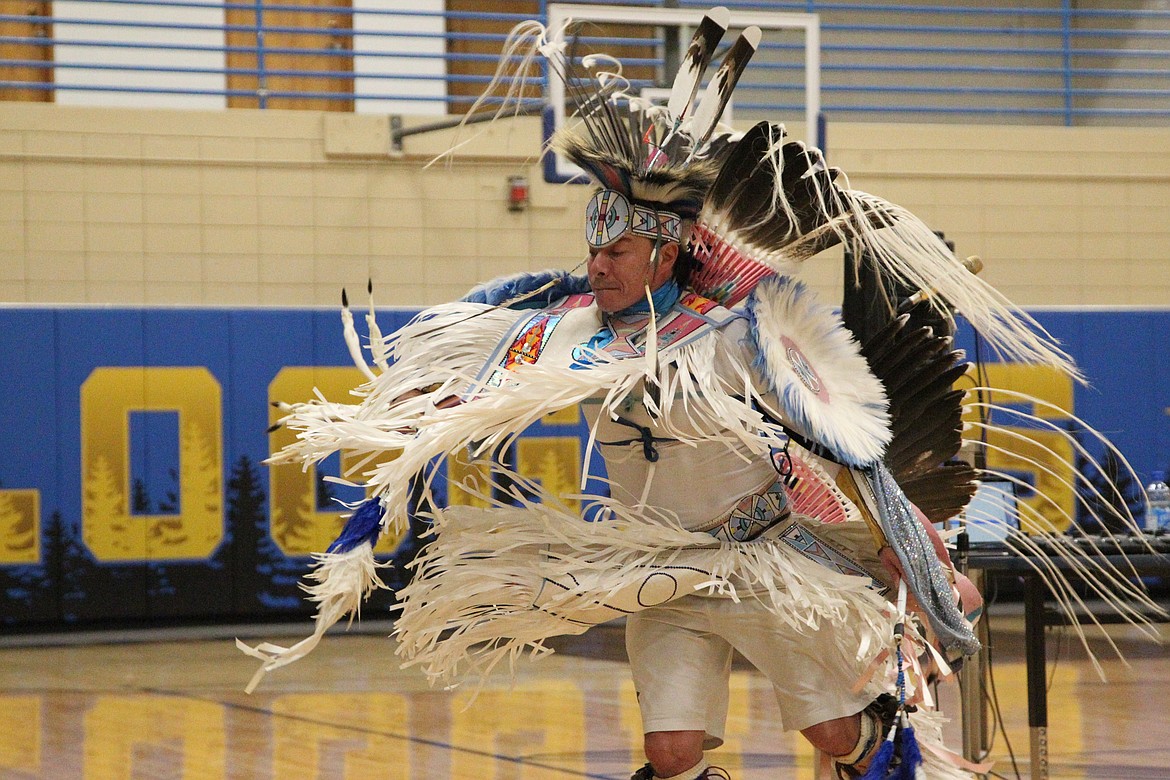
(924, 573)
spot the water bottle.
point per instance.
(1158, 503)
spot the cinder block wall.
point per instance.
(1061, 216)
(119, 206)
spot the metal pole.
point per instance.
(1034, 654)
(812, 82)
(973, 687)
(261, 77)
(1066, 59)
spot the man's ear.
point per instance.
(662, 269)
(667, 254)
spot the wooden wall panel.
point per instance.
(323, 43)
(11, 53)
(484, 51)
(463, 93)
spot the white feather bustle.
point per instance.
(905, 249)
(841, 404)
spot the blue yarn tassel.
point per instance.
(364, 525)
(899, 757)
(879, 767)
(911, 755)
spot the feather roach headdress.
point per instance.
(757, 203)
(654, 164)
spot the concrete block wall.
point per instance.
(284, 208)
(118, 206)
(1061, 216)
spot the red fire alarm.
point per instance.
(517, 193)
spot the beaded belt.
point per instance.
(754, 514)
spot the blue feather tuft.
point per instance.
(364, 525)
(879, 767)
(911, 754)
(500, 291)
(898, 758)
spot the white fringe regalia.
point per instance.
(492, 583)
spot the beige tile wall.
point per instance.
(109, 205)
(1060, 216)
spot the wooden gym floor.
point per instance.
(175, 708)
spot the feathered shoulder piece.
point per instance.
(776, 203)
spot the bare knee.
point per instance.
(835, 737)
(673, 752)
(852, 741)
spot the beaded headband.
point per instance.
(610, 215)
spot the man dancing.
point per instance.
(752, 501)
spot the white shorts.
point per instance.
(680, 656)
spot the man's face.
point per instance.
(620, 272)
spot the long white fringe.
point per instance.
(442, 354)
(496, 582)
(1053, 556)
(344, 581)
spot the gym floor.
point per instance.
(172, 706)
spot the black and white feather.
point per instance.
(695, 62)
(918, 366)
